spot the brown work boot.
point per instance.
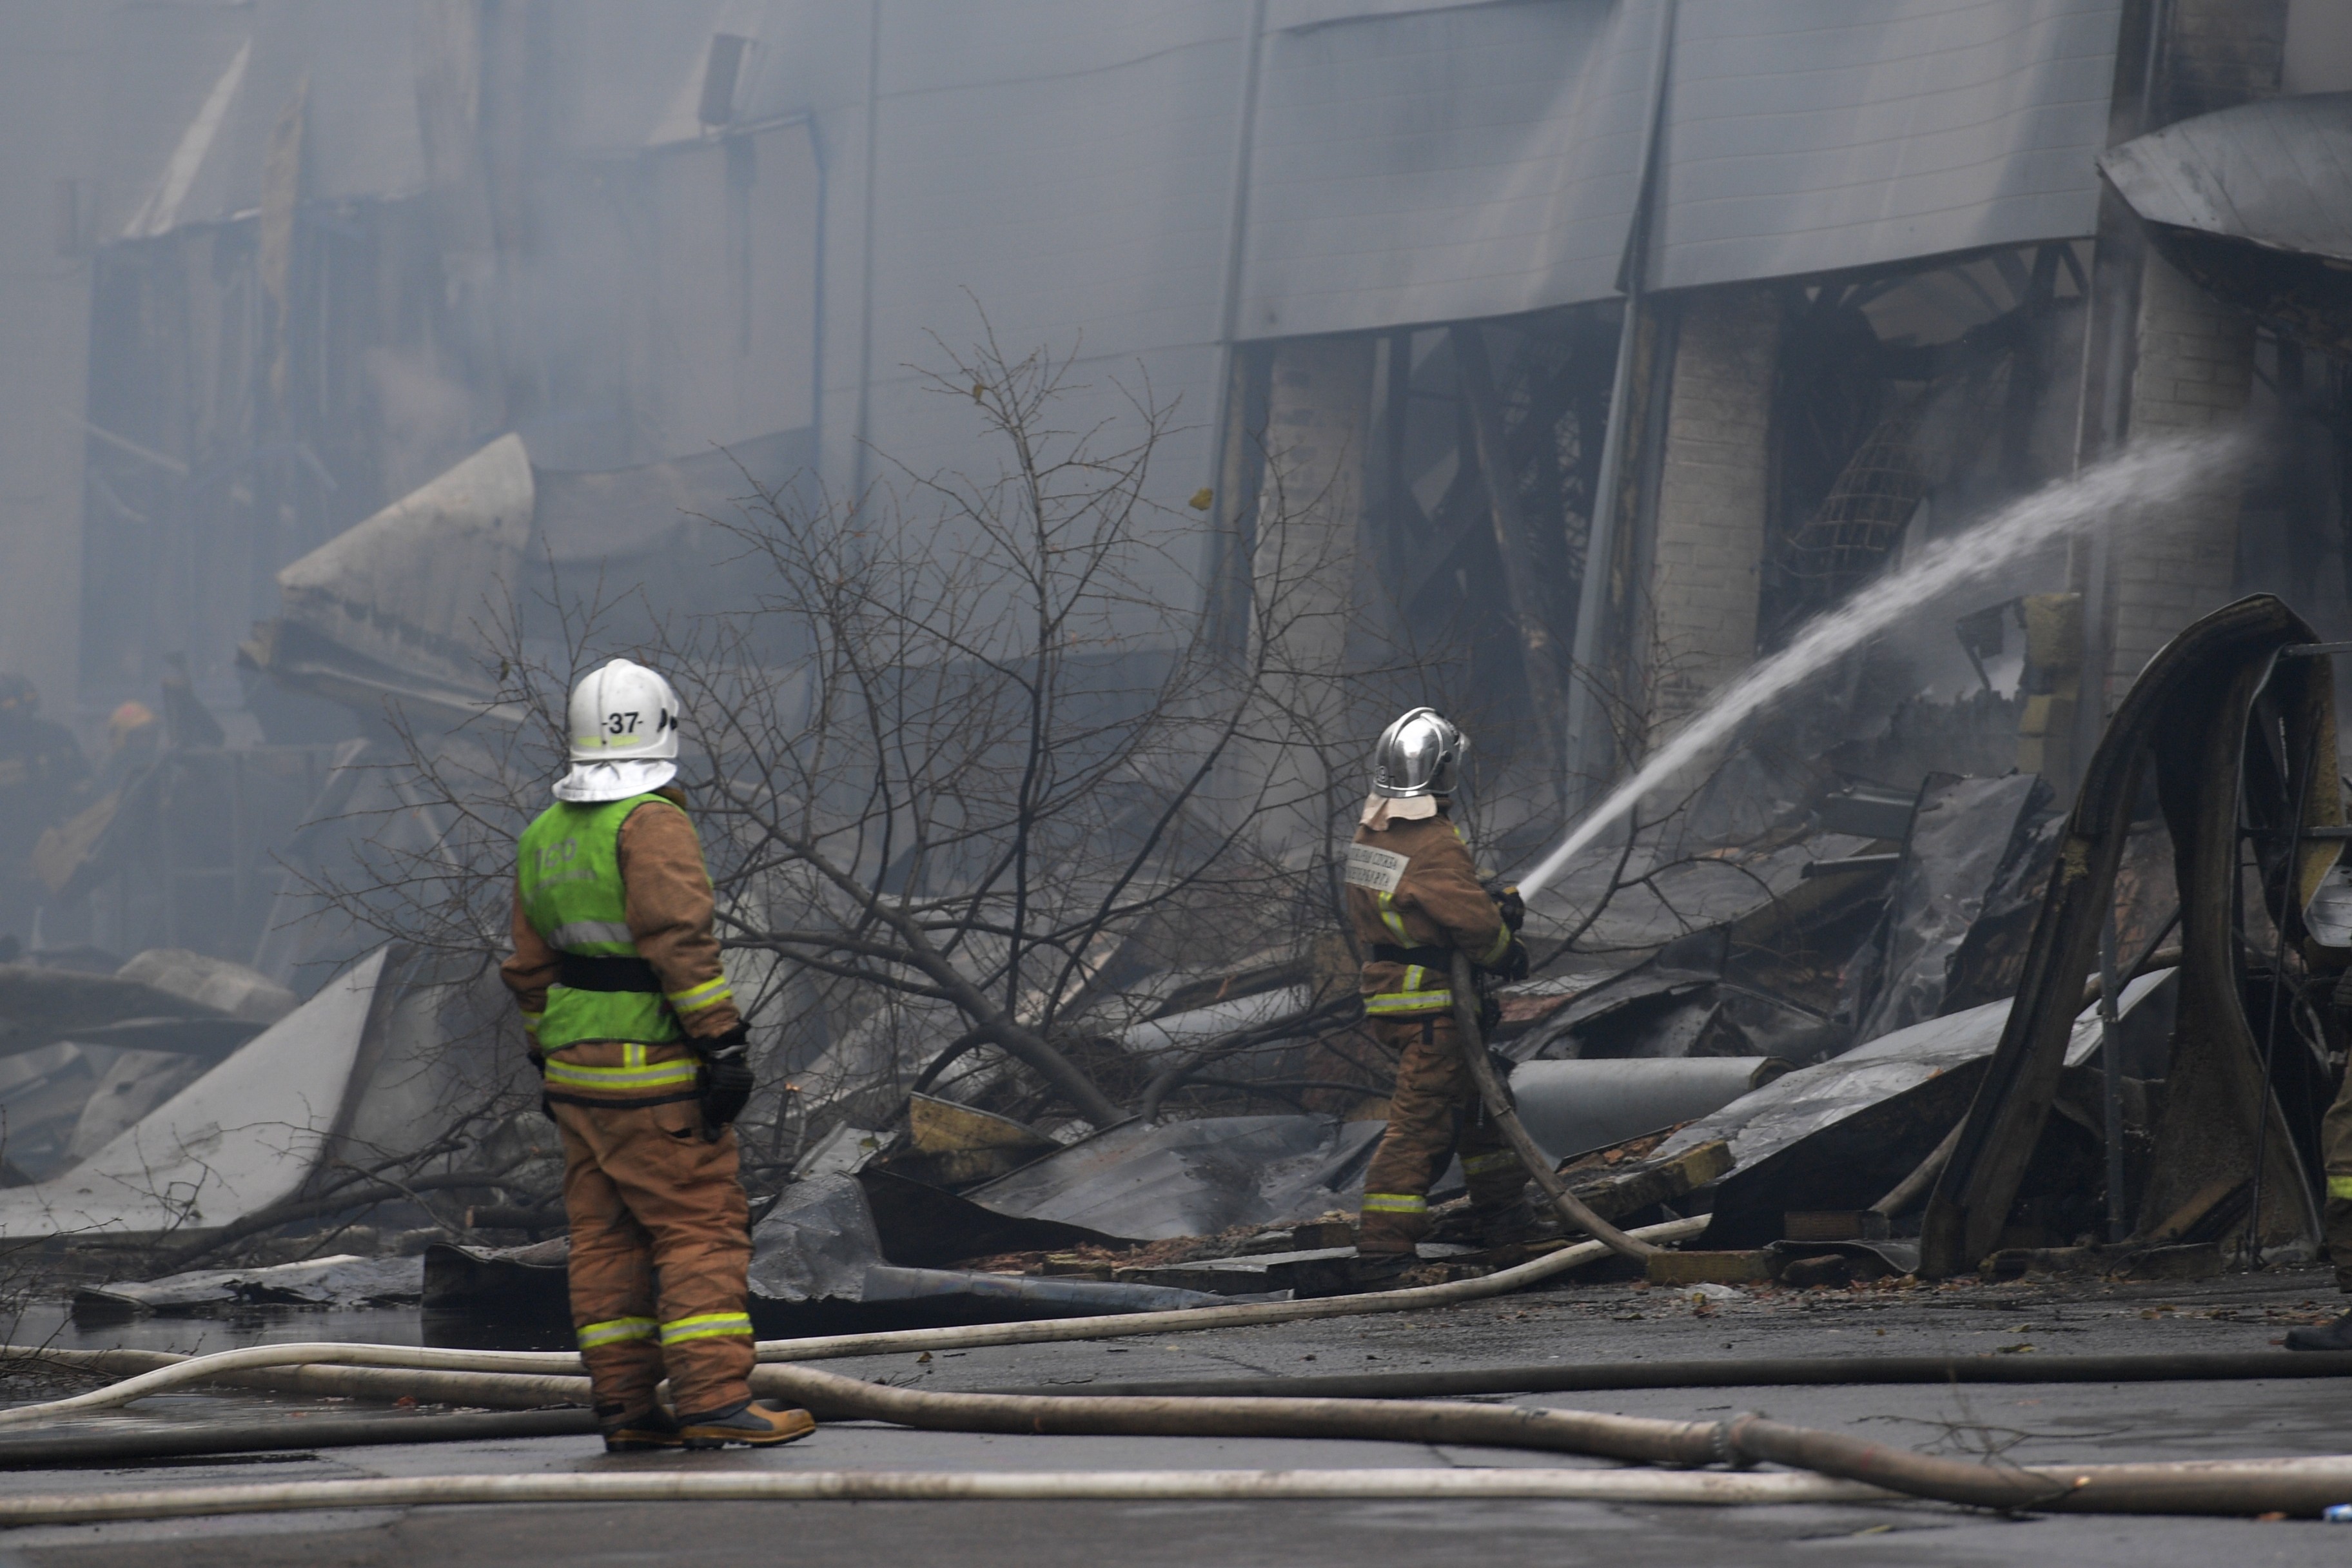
(638, 1432)
(1514, 1223)
(756, 1424)
(1378, 1270)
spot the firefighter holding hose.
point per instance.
(641, 1052)
(1414, 899)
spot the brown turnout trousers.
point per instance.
(660, 1242)
(2335, 1158)
(1416, 903)
(1434, 1114)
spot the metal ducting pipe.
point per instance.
(1571, 1106)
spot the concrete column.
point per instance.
(1709, 542)
(2220, 52)
(46, 78)
(1309, 557)
(2195, 369)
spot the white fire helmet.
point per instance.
(624, 734)
(1419, 755)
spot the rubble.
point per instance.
(1962, 832)
(243, 1136)
(818, 1266)
(383, 1061)
(1838, 1135)
(345, 1280)
(1146, 1182)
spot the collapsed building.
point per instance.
(1565, 359)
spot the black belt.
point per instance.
(598, 972)
(1427, 957)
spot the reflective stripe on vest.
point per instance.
(634, 1073)
(2339, 1186)
(568, 874)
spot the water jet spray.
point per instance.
(2083, 501)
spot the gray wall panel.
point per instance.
(1808, 136)
(1425, 167)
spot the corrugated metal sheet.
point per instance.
(1072, 163)
(1281, 16)
(1808, 136)
(1478, 161)
(2277, 173)
(1436, 165)
(1069, 164)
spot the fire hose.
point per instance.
(1572, 1213)
(544, 1376)
(1842, 1468)
(1870, 1471)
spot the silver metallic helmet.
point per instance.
(1419, 754)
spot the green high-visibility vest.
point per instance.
(569, 873)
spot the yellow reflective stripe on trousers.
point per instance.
(695, 998)
(1395, 1203)
(615, 1331)
(1389, 1003)
(2339, 1186)
(1393, 921)
(1493, 1159)
(705, 1326)
(659, 1075)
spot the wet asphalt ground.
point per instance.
(2026, 1422)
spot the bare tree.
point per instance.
(970, 770)
(980, 787)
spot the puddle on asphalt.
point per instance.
(50, 1323)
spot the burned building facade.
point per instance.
(1580, 353)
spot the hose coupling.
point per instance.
(1725, 1440)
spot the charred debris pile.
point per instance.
(1868, 1042)
(1054, 1012)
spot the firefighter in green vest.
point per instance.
(641, 1051)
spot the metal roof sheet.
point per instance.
(2277, 173)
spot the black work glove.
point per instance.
(1508, 902)
(539, 1066)
(726, 1080)
(1513, 964)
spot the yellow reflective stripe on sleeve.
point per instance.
(1393, 921)
(615, 1331)
(1395, 1203)
(1502, 945)
(1394, 1002)
(2339, 1186)
(660, 1075)
(1493, 1159)
(695, 998)
(705, 1326)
